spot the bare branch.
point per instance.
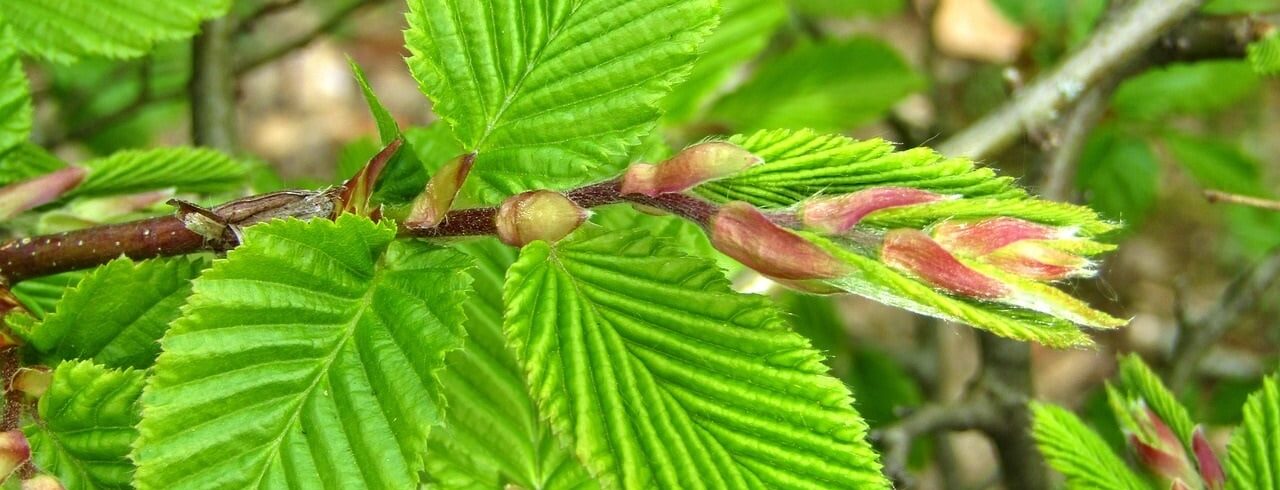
(1257, 202)
(897, 439)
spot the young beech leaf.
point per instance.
(184, 169)
(129, 305)
(15, 99)
(86, 427)
(66, 30)
(1254, 451)
(657, 374)
(1079, 453)
(26, 160)
(306, 358)
(492, 434)
(545, 91)
(1138, 383)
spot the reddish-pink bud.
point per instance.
(14, 451)
(974, 238)
(25, 195)
(913, 252)
(42, 482)
(840, 213)
(1207, 462)
(358, 190)
(744, 233)
(32, 381)
(1164, 463)
(1178, 484)
(692, 166)
(1035, 259)
(430, 207)
(537, 215)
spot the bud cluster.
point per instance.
(1158, 449)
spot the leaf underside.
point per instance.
(548, 91)
(305, 359)
(660, 376)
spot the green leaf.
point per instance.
(745, 28)
(354, 156)
(66, 30)
(41, 294)
(1215, 163)
(1119, 175)
(1228, 7)
(86, 426)
(125, 327)
(679, 232)
(182, 168)
(492, 434)
(1253, 455)
(1185, 88)
(1137, 381)
(15, 99)
(388, 128)
(27, 160)
(811, 87)
(306, 358)
(1264, 55)
(658, 374)
(1078, 452)
(547, 91)
(803, 164)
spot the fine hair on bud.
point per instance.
(537, 215)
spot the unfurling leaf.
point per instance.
(357, 192)
(742, 232)
(834, 215)
(1078, 452)
(1253, 454)
(22, 196)
(436, 200)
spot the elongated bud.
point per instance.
(32, 381)
(1157, 448)
(744, 233)
(1036, 259)
(1178, 484)
(1207, 462)
(840, 213)
(1166, 464)
(42, 482)
(436, 200)
(692, 166)
(913, 252)
(14, 451)
(537, 215)
(974, 238)
(358, 190)
(22, 196)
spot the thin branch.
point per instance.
(1257, 202)
(1059, 174)
(897, 438)
(1237, 300)
(260, 53)
(213, 87)
(1115, 43)
(267, 9)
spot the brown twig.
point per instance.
(897, 438)
(255, 54)
(1215, 197)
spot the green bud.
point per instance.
(537, 215)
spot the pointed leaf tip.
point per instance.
(358, 190)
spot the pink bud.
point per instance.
(1163, 463)
(22, 196)
(32, 381)
(435, 201)
(742, 232)
(1178, 484)
(913, 252)
(1156, 427)
(1035, 259)
(358, 190)
(14, 452)
(537, 215)
(692, 166)
(839, 214)
(974, 238)
(1207, 462)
